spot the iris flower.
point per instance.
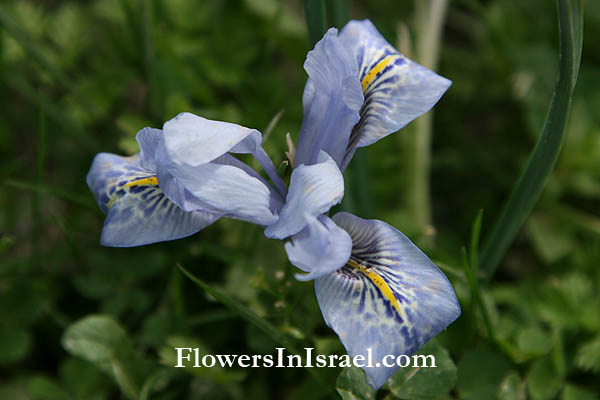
(378, 292)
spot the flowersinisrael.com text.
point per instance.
(192, 357)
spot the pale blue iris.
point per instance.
(376, 289)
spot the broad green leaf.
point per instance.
(480, 373)
(425, 382)
(42, 388)
(83, 380)
(352, 385)
(543, 381)
(102, 341)
(157, 382)
(572, 392)
(530, 184)
(217, 373)
(512, 388)
(15, 344)
(550, 242)
(588, 356)
(22, 303)
(533, 341)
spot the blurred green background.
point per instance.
(79, 321)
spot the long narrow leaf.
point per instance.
(541, 162)
(239, 308)
(249, 316)
(315, 19)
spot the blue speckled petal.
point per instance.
(320, 248)
(314, 189)
(396, 89)
(138, 212)
(389, 297)
(332, 98)
(193, 140)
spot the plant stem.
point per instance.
(430, 15)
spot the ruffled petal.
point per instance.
(193, 140)
(149, 139)
(222, 187)
(314, 189)
(389, 297)
(396, 89)
(332, 98)
(320, 248)
(137, 210)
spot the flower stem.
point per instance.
(430, 20)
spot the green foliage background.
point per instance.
(79, 321)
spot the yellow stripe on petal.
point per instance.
(370, 77)
(381, 284)
(151, 181)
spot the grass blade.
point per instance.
(249, 316)
(543, 158)
(315, 20)
(239, 308)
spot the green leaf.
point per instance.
(249, 316)
(156, 382)
(42, 388)
(474, 249)
(543, 381)
(83, 380)
(240, 309)
(103, 342)
(315, 19)
(217, 373)
(572, 392)
(588, 356)
(425, 382)
(550, 241)
(15, 344)
(480, 373)
(533, 341)
(352, 385)
(512, 388)
(530, 184)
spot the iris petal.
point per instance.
(149, 139)
(137, 210)
(332, 98)
(320, 248)
(224, 188)
(193, 140)
(314, 189)
(389, 297)
(396, 89)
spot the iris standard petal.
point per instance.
(314, 189)
(320, 248)
(332, 98)
(149, 140)
(389, 297)
(193, 140)
(137, 210)
(222, 188)
(396, 89)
